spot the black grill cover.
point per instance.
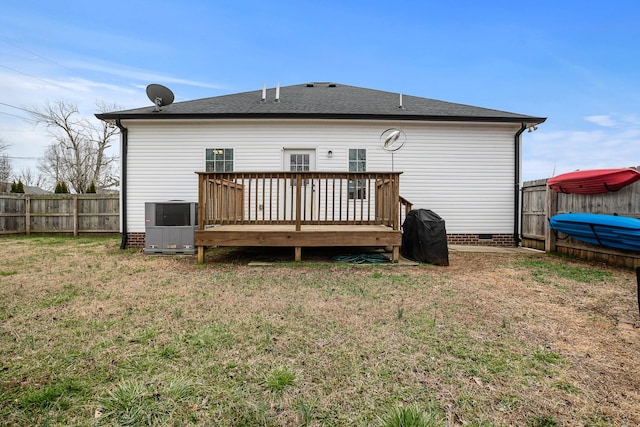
(424, 238)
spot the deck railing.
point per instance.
(300, 198)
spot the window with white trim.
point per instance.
(299, 162)
(219, 160)
(357, 163)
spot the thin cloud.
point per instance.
(615, 120)
(25, 91)
(631, 119)
(601, 120)
(90, 86)
(138, 74)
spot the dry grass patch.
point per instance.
(94, 335)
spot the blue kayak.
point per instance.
(605, 230)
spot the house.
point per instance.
(5, 187)
(462, 162)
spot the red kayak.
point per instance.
(594, 181)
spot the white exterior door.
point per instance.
(301, 161)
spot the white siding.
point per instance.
(464, 172)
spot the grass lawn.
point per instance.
(91, 335)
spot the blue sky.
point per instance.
(575, 62)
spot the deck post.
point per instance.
(396, 254)
(298, 254)
(395, 205)
(200, 254)
(202, 199)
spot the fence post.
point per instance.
(75, 215)
(27, 215)
(552, 208)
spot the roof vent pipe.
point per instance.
(400, 105)
(277, 92)
(264, 92)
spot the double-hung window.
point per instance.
(357, 163)
(219, 160)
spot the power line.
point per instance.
(32, 76)
(14, 115)
(16, 107)
(24, 158)
(37, 55)
(41, 57)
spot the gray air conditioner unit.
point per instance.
(170, 227)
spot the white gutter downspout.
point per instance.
(124, 135)
(516, 184)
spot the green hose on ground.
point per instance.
(362, 259)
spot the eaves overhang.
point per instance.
(301, 116)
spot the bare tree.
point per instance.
(105, 166)
(31, 178)
(79, 154)
(5, 167)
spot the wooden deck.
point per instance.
(300, 209)
(308, 236)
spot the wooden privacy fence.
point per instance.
(539, 203)
(54, 213)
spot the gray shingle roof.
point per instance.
(323, 100)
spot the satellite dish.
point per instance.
(159, 95)
(393, 139)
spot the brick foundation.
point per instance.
(505, 240)
(135, 240)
